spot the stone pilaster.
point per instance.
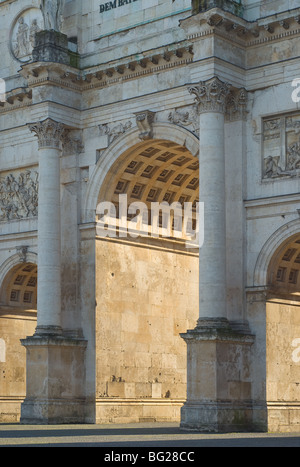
(218, 352)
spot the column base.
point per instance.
(216, 417)
(55, 380)
(52, 412)
(48, 331)
(218, 377)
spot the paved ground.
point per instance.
(134, 436)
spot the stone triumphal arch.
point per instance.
(114, 118)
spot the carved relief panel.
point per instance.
(281, 146)
(23, 31)
(18, 195)
(187, 117)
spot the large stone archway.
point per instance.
(224, 402)
(146, 290)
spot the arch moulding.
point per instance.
(121, 148)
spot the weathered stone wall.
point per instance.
(13, 327)
(283, 365)
(146, 296)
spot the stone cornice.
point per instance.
(119, 75)
(241, 31)
(17, 98)
(50, 73)
(132, 68)
(60, 75)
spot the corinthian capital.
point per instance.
(211, 95)
(49, 133)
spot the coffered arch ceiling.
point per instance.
(284, 270)
(154, 171)
(19, 288)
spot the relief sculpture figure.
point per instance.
(22, 46)
(19, 196)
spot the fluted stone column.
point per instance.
(211, 98)
(55, 362)
(49, 134)
(218, 385)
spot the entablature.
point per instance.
(50, 73)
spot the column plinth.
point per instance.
(55, 383)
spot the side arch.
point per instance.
(15, 260)
(272, 250)
(18, 316)
(11, 267)
(119, 151)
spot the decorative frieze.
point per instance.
(281, 146)
(115, 131)
(186, 117)
(143, 120)
(19, 195)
